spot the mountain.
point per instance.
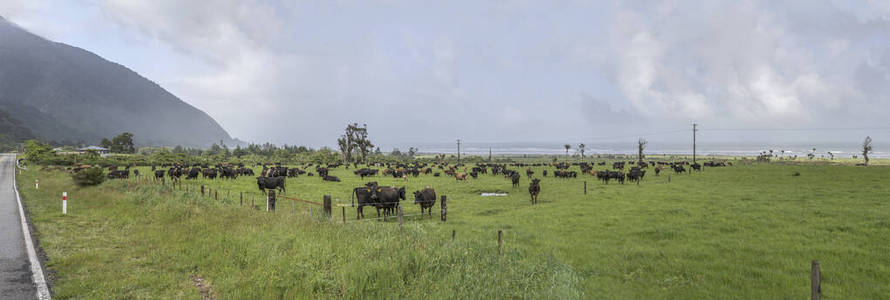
(12, 132)
(64, 93)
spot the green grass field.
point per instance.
(743, 232)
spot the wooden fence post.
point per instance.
(453, 233)
(585, 187)
(202, 191)
(216, 195)
(242, 199)
(327, 206)
(500, 245)
(816, 281)
(343, 210)
(444, 209)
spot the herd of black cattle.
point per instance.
(387, 198)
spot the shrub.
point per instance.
(88, 177)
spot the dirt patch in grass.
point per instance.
(203, 287)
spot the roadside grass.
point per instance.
(743, 232)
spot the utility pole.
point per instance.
(489, 153)
(694, 130)
(458, 150)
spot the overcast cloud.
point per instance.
(418, 71)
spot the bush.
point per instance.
(88, 177)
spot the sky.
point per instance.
(297, 72)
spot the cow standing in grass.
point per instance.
(460, 176)
(515, 178)
(389, 198)
(366, 196)
(270, 183)
(426, 198)
(534, 189)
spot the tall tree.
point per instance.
(355, 139)
(567, 146)
(123, 143)
(105, 143)
(581, 149)
(866, 149)
(641, 145)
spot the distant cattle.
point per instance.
(605, 176)
(636, 174)
(534, 189)
(193, 173)
(515, 179)
(119, 174)
(460, 176)
(331, 178)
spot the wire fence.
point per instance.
(271, 201)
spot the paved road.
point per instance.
(15, 269)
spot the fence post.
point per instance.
(202, 191)
(327, 206)
(343, 210)
(252, 202)
(400, 218)
(216, 195)
(444, 209)
(816, 281)
(453, 233)
(242, 199)
(585, 187)
(500, 245)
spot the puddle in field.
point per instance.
(493, 194)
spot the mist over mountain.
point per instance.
(67, 94)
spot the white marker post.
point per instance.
(64, 203)
(36, 184)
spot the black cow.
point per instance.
(271, 183)
(515, 178)
(193, 173)
(636, 174)
(389, 198)
(426, 198)
(330, 178)
(159, 174)
(534, 189)
(366, 196)
(119, 174)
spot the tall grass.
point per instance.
(121, 241)
(743, 232)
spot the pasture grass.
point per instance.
(744, 232)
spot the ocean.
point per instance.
(703, 149)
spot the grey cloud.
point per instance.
(297, 72)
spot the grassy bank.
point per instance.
(737, 232)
